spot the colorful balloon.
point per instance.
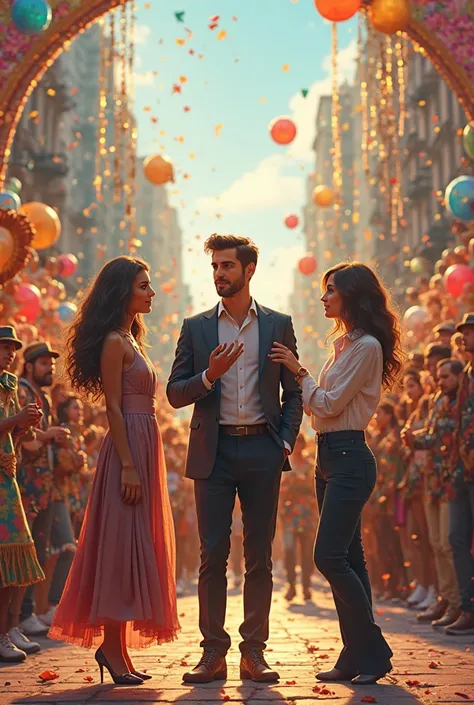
(390, 16)
(468, 139)
(31, 16)
(456, 277)
(158, 169)
(323, 196)
(67, 311)
(29, 296)
(14, 185)
(67, 265)
(7, 247)
(46, 223)
(415, 316)
(282, 130)
(291, 221)
(459, 197)
(9, 201)
(337, 11)
(307, 264)
(418, 265)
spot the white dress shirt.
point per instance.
(349, 386)
(241, 404)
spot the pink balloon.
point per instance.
(67, 265)
(291, 221)
(456, 277)
(27, 293)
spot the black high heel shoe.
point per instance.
(124, 679)
(143, 676)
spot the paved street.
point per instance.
(428, 667)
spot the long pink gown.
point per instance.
(124, 567)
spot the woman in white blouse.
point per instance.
(366, 358)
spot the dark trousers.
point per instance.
(461, 527)
(250, 466)
(345, 477)
(52, 532)
(305, 539)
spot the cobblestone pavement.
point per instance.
(428, 667)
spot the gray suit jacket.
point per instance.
(283, 412)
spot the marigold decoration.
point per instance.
(291, 221)
(337, 11)
(307, 265)
(282, 130)
(21, 233)
(456, 277)
(390, 16)
(323, 196)
(46, 223)
(158, 169)
(7, 247)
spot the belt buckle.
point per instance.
(241, 428)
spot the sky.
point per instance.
(230, 175)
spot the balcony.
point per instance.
(413, 142)
(51, 165)
(422, 185)
(427, 87)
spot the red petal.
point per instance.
(48, 676)
(368, 699)
(89, 679)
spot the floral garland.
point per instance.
(22, 231)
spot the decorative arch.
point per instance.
(443, 28)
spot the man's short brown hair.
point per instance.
(246, 249)
(455, 366)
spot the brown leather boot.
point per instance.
(450, 616)
(254, 667)
(463, 625)
(211, 667)
(434, 611)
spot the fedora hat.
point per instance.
(39, 349)
(468, 320)
(8, 335)
(445, 326)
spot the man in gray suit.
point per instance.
(242, 432)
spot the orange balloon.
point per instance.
(337, 11)
(158, 169)
(323, 196)
(46, 222)
(6, 247)
(307, 264)
(390, 16)
(282, 130)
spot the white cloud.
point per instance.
(303, 110)
(141, 33)
(264, 187)
(146, 78)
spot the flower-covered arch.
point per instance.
(444, 28)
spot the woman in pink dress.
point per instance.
(121, 588)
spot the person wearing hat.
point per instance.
(461, 506)
(443, 332)
(19, 566)
(45, 509)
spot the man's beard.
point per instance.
(44, 381)
(232, 289)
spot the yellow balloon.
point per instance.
(323, 196)
(7, 246)
(390, 16)
(46, 223)
(158, 169)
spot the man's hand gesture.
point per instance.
(222, 359)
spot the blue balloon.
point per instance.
(31, 16)
(67, 311)
(9, 201)
(459, 197)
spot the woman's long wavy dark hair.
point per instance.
(101, 311)
(365, 305)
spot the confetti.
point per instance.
(222, 34)
(179, 16)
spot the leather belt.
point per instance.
(324, 438)
(252, 430)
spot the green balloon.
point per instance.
(468, 139)
(14, 185)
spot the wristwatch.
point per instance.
(302, 372)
